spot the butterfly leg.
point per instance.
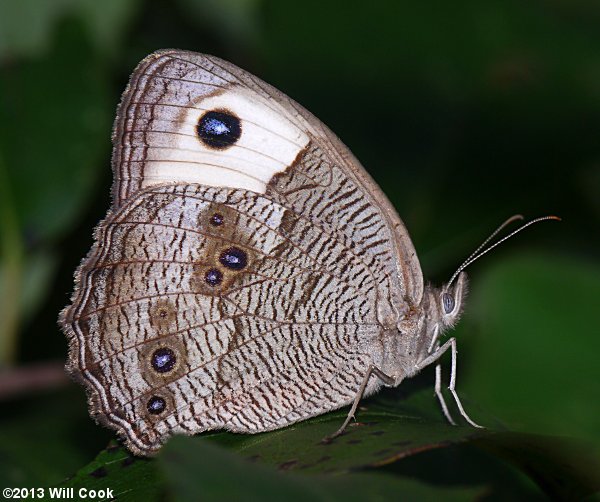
(434, 339)
(440, 396)
(450, 344)
(453, 384)
(438, 375)
(388, 380)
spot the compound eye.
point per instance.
(448, 302)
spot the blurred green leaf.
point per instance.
(38, 275)
(107, 20)
(459, 48)
(46, 438)
(54, 132)
(11, 268)
(55, 117)
(534, 361)
(201, 471)
(24, 283)
(27, 26)
(565, 469)
(236, 23)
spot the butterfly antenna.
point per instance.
(478, 253)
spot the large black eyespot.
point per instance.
(156, 405)
(163, 360)
(234, 258)
(448, 302)
(219, 129)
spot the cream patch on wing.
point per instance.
(269, 142)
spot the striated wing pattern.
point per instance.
(286, 336)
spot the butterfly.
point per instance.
(250, 273)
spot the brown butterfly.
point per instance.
(250, 273)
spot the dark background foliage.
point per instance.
(464, 112)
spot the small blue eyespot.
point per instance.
(234, 258)
(156, 405)
(163, 360)
(213, 277)
(217, 220)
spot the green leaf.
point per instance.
(201, 470)
(379, 437)
(131, 478)
(385, 434)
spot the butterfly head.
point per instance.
(450, 301)
(440, 310)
